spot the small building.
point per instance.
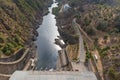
(65, 8)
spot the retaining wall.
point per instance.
(10, 67)
(17, 55)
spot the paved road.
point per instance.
(82, 53)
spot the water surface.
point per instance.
(47, 50)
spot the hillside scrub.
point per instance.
(100, 20)
(18, 21)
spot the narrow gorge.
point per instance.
(59, 40)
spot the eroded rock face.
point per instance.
(67, 38)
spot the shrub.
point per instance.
(103, 52)
(87, 21)
(7, 50)
(75, 59)
(90, 31)
(111, 73)
(11, 45)
(102, 25)
(0, 46)
(56, 10)
(117, 22)
(88, 55)
(1, 40)
(106, 37)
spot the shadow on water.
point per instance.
(47, 50)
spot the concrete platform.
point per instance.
(47, 75)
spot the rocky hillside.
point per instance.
(102, 25)
(100, 20)
(18, 21)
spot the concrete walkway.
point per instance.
(46, 75)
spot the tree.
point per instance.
(90, 31)
(7, 50)
(87, 21)
(117, 22)
(111, 73)
(102, 25)
(1, 40)
(56, 10)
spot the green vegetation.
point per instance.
(103, 52)
(90, 31)
(87, 21)
(117, 22)
(75, 59)
(17, 18)
(56, 10)
(1, 40)
(7, 50)
(101, 18)
(88, 53)
(102, 25)
(113, 74)
(101, 22)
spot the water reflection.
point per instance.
(47, 50)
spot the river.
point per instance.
(47, 50)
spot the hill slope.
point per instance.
(100, 20)
(18, 21)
